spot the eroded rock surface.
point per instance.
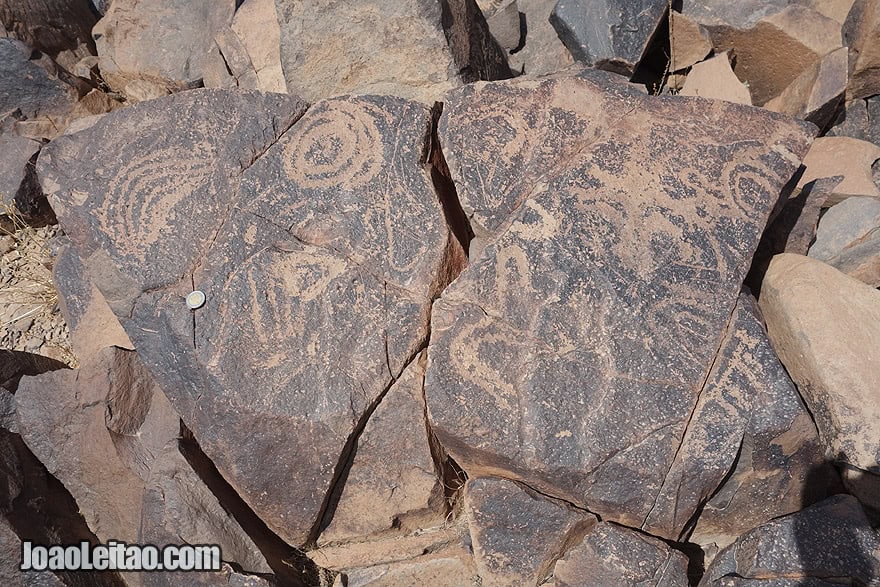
(319, 241)
(848, 239)
(572, 351)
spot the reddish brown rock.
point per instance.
(638, 216)
(861, 29)
(17, 152)
(516, 534)
(451, 567)
(689, 42)
(817, 93)
(612, 555)
(10, 562)
(823, 325)
(715, 79)
(319, 242)
(830, 543)
(392, 484)
(845, 156)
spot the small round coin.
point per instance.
(195, 300)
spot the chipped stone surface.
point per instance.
(861, 29)
(608, 34)
(831, 540)
(384, 46)
(612, 555)
(543, 53)
(823, 325)
(741, 15)
(517, 535)
(715, 79)
(450, 567)
(17, 151)
(26, 86)
(148, 49)
(749, 415)
(851, 158)
(51, 26)
(10, 562)
(334, 213)
(816, 94)
(848, 238)
(392, 483)
(689, 41)
(575, 304)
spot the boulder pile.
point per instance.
(450, 292)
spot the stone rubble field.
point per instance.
(489, 292)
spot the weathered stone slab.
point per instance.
(608, 34)
(17, 151)
(542, 52)
(149, 49)
(830, 543)
(817, 93)
(848, 239)
(742, 15)
(51, 26)
(517, 535)
(450, 567)
(319, 242)
(26, 86)
(715, 79)
(749, 414)
(570, 354)
(823, 325)
(689, 42)
(850, 158)
(611, 555)
(861, 29)
(392, 483)
(396, 47)
(10, 563)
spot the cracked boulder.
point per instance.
(409, 48)
(749, 424)
(617, 229)
(517, 535)
(848, 239)
(830, 543)
(608, 34)
(111, 437)
(612, 555)
(319, 242)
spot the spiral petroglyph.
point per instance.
(335, 146)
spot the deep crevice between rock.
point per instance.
(291, 566)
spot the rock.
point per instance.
(608, 34)
(837, 10)
(17, 151)
(392, 483)
(51, 26)
(720, 13)
(27, 87)
(749, 429)
(339, 196)
(542, 52)
(848, 239)
(860, 119)
(715, 79)
(823, 325)
(93, 326)
(779, 48)
(850, 158)
(861, 29)
(517, 535)
(864, 486)
(148, 49)
(553, 190)
(612, 555)
(10, 562)
(108, 433)
(688, 41)
(16, 364)
(502, 16)
(816, 94)
(385, 46)
(830, 541)
(452, 567)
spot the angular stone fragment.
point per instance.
(451, 567)
(385, 47)
(253, 47)
(612, 555)
(715, 79)
(17, 151)
(860, 119)
(148, 49)
(51, 26)
(741, 15)
(837, 10)
(824, 327)
(26, 86)
(542, 52)
(851, 158)
(861, 30)
(848, 239)
(319, 243)
(108, 433)
(608, 34)
(688, 41)
(830, 543)
(10, 563)
(518, 535)
(779, 48)
(392, 483)
(570, 354)
(816, 94)
(750, 415)
(502, 16)
(91, 322)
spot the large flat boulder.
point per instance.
(617, 229)
(319, 243)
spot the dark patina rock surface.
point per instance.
(571, 353)
(319, 242)
(608, 34)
